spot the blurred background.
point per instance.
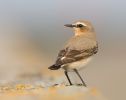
(32, 33)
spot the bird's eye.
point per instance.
(79, 25)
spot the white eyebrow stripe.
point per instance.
(81, 23)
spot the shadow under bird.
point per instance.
(78, 51)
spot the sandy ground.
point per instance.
(52, 92)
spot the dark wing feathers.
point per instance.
(74, 55)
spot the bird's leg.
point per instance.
(66, 73)
(80, 77)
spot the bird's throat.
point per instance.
(79, 32)
(85, 33)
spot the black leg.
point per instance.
(80, 77)
(67, 77)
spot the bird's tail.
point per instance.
(54, 67)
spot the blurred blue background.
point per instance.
(32, 32)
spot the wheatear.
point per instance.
(79, 49)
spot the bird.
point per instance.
(78, 51)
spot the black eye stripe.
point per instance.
(79, 25)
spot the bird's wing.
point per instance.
(69, 55)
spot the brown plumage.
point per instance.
(79, 48)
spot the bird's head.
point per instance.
(81, 27)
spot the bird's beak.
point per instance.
(70, 25)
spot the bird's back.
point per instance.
(80, 43)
